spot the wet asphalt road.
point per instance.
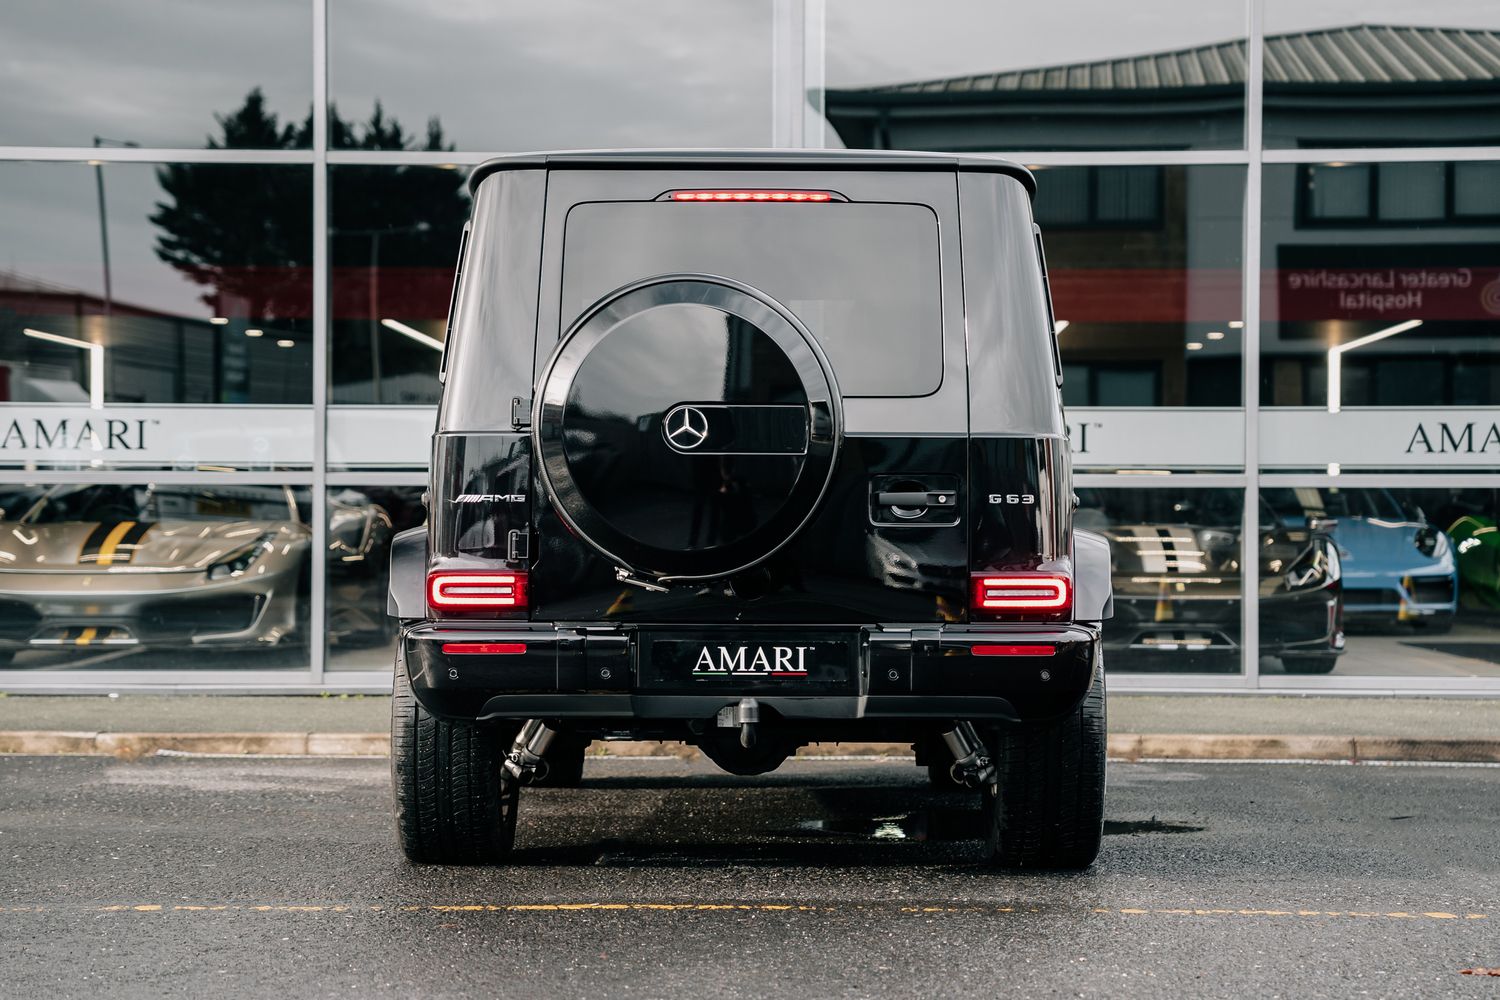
(190, 877)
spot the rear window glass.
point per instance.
(863, 278)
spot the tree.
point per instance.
(244, 231)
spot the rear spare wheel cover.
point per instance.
(687, 427)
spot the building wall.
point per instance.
(244, 219)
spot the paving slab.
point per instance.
(1322, 715)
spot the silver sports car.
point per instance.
(161, 565)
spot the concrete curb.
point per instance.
(1122, 746)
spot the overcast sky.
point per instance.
(529, 75)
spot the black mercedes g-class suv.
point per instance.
(750, 450)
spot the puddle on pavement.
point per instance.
(1117, 827)
(953, 824)
(925, 825)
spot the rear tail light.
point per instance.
(476, 591)
(1002, 594)
(755, 196)
(1007, 650)
(484, 648)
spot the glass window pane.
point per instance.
(968, 75)
(562, 75)
(393, 235)
(1419, 588)
(155, 73)
(1412, 191)
(159, 577)
(1348, 73)
(205, 295)
(1476, 190)
(1065, 200)
(864, 278)
(1127, 387)
(1175, 554)
(1339, 192)
(1145, 274)
(361, 522)
(1129, 194)
(1402, 309)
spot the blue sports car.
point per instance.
(1398, 568)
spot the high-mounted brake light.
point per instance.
(476, 591)
(1022, 593)
(750, 195)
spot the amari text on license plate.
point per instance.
(793, 661)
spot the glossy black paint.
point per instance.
(753, 541)
(702, 503)
(860, 676)
(840, 569)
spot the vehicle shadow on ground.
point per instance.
(806, 822)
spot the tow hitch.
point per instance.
(745, 715)
(971, 766)
(526, 761)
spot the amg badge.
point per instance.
(752, 661)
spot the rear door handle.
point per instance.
(928, 498)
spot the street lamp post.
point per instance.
(98, 166)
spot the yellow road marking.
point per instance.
(111, 541)
(719, 907)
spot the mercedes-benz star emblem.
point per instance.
(686, 427)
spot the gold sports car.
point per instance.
(165, 565)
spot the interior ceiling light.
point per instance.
(1336, 359)
(96, 361)
(412, 333)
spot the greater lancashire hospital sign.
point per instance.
(1434, 293)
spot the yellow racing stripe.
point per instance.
(112, 542)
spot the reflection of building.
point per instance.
(148, 355)
(1353, 252)
(1331, 88)
(1145, 209)
(1145, 258)
(1144, 263)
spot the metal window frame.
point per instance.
(798, 59)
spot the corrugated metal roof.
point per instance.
(1355, 55)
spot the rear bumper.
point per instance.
(895, 673)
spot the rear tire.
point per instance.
(455, 804)
(1308, 663)
(1049, 810)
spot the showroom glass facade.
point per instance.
(1273, 232)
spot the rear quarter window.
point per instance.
(863, 278)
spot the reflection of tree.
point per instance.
(244, 231)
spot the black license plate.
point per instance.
(754, 661)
